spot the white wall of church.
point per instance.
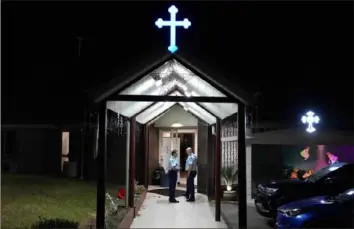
(177, 115)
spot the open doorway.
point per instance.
(179, 139)
(187, 140)
(64, 149)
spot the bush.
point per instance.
(44, 223)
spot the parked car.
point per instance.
(318, 212)
(331, 180)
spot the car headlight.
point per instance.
(291, 212)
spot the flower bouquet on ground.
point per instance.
(115, 210)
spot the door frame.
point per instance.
(182, 131)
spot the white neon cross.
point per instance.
(173, 23)
(310, 119)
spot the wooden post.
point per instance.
(146, 154)
(242, 205)
(127, 164)
(132, 162)
(210, 166)
(217, 170)
(101, 166)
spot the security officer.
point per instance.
(173, 167)
(191, 168)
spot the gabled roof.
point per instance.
(221, 81)
(175, 76)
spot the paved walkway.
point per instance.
(157, 212)
(254, 220)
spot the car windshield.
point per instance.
(322, 172)
(347, 195)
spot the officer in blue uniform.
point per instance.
(173, 167)
(191, 168)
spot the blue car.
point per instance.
(318, 212)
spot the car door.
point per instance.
(338, 181)
(347, 215)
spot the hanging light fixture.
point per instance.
(176, 125)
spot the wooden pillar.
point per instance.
(132, 162)
(217, 170)
(146, 154)
(210, 165)
(101, 166)
(242, 205)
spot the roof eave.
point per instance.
(237, 93)
(116, 84)
(142, 69)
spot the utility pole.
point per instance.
(80, 39)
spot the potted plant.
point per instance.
(229, 174)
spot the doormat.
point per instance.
(182, 185)
(164, 192)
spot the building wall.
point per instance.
(36, 151)
(139, 154)
(90, 163)
(153, 150)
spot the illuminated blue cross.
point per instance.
(173, 23)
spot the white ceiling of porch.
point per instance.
(172, 78)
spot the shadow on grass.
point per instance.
(43, 223)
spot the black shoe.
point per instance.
(174, 201)
(190, 200)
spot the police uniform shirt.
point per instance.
(191, 160)
(173, 163)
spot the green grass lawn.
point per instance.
(25, 198)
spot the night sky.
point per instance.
(298, 54)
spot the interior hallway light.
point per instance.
(176, 125)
